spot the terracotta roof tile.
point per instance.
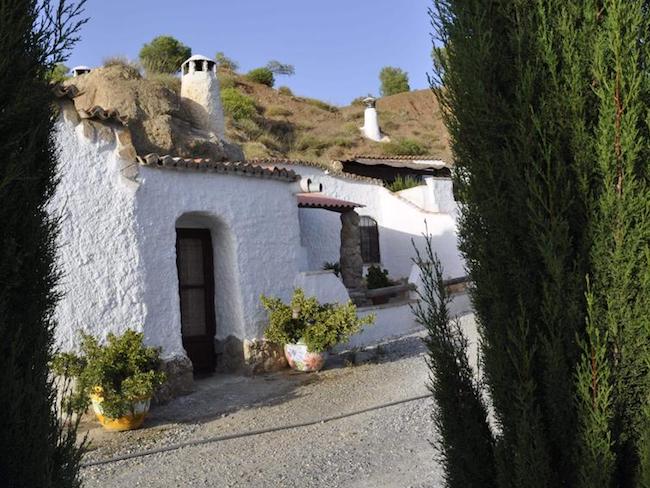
(335, 168)
(237, 168)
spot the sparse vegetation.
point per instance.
(237, 105)
(393, 81)
(59, 73)
(320, 104)
(121, 61)
(332, 266)
(285, 90)
(277, 111)
(164, 54)
(404, 147)
(225, 63)
(171, 82)
(263, 76)
(403, 183)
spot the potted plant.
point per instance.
(118, 378)
(307, 328)
(378, 278)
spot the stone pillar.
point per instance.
(350, 260)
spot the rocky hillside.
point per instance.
(287, 125)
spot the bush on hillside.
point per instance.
(277, 111)
(404, 147)
(164, 54)
(237, 105)
(263, 76)
(285, 90)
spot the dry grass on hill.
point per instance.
(296, 127)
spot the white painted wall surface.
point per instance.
(398, 219)
(255, 234)
(118, 238)
(98, 253)
(323, 285)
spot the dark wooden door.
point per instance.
(196, 290)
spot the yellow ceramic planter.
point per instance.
(131, 421)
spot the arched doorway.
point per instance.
(195, 265)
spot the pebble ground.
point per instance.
(386, 447)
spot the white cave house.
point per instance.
(166, 229)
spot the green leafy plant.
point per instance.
(123, 371)
(403, 183)
(164, 54)
(404, 147)
(393, 81)
(263, 76)
(318, 326)
(237, 105)
(333, 266)
(377, 278)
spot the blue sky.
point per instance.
(336, 46)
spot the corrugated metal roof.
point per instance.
(318, 200)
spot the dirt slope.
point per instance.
(301, 128)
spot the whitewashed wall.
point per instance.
(118, 237)
(399, 220)
(98, 253)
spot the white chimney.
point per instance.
(80, 70)
(200, 94)
(370, 121)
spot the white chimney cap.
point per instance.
(198, 61)
(369, 101)
(80, 70)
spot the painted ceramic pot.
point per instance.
(300, 359)
(131, 421)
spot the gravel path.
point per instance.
(387, 447)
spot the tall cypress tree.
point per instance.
(547, 108)
(36, 448)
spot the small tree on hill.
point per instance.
(263, 76)
(278, 68)
(224, 62)
(393, 81)
(164, 54)
(36, 448)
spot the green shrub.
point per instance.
(237, 105)
(393, 81)
(277, 111)
(332, 266)
(59, 73)
(377, 278)
(403, 183)
(318, 326)
(314, 102)
(124, 369)
(249, 128)
(164, 54)
(404, 147)
(264, 76)
(285, 90)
